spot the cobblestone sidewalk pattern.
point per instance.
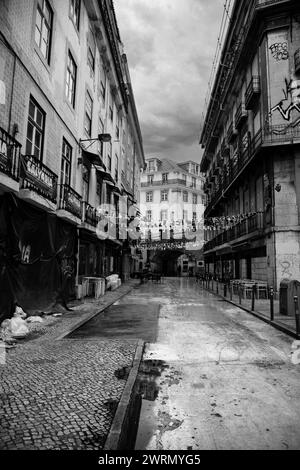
(62, 394)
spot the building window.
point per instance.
(116, 167)
(150, 179)
(85, 183)
(163, 215)
(88, 114)
(100, 130)
(194, 198)
(151, 166)
(164, 195)
(185, 196)
(43, 28)
(184, 179)
(111, 114)
(75, 12)
(66, 163)
(71, 80)
(165, 177)
(35, 130)
(194, 216)
(149, 196)
(99, 187)
(193, 182)
(109, 157)
(91, 60)
(185, 215)
(149, 216)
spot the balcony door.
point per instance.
(66, 165)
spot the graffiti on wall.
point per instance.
(289, 103)
(279, 51)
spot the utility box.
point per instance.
(288, 289)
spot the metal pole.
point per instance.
(253, 298)
(240, 294)
(297, 317)
(231, 287)
(272, 303)
(217, 286)
(225, 289)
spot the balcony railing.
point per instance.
(235, 166)
(70, 201)
(250, 224)
(164, 182)
(9, 155)
(90, 214)
(37, 177)
(241, 115)
(252, 92)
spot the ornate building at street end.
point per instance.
(172, 205)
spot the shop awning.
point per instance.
(93, 159)
(105, 175)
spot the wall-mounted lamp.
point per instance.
(100, 138)
(278, 187)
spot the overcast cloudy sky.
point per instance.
(170, 46)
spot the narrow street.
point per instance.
(221, 379)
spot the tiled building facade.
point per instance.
(251, 138)
(64, 80)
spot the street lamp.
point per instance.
(100, 138)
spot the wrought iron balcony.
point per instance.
(252, 92)
(180, 182)
(251, 224)
(9, 155)
(70, 201)
(37, 177)
(241, 115)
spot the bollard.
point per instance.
(240, 294)
(253, 298)
(225, 290)
(297, 318)
(217, 287)
(231, 288)
(271, 303)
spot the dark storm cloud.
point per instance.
(170, 46)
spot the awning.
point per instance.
(105, 175)
(93, 159)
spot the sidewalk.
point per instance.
(62, 393)
(262, 309)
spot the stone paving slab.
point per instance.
(62, 394)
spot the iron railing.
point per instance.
(70, 200)
(252, 223)
(90, 214)
(37, 177)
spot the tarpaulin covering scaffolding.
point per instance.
(37, 258)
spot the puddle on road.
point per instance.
(148, 373)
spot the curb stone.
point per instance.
(123, 430)
(91, 315)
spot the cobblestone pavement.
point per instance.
(62, 394)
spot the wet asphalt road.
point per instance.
(213, 376)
